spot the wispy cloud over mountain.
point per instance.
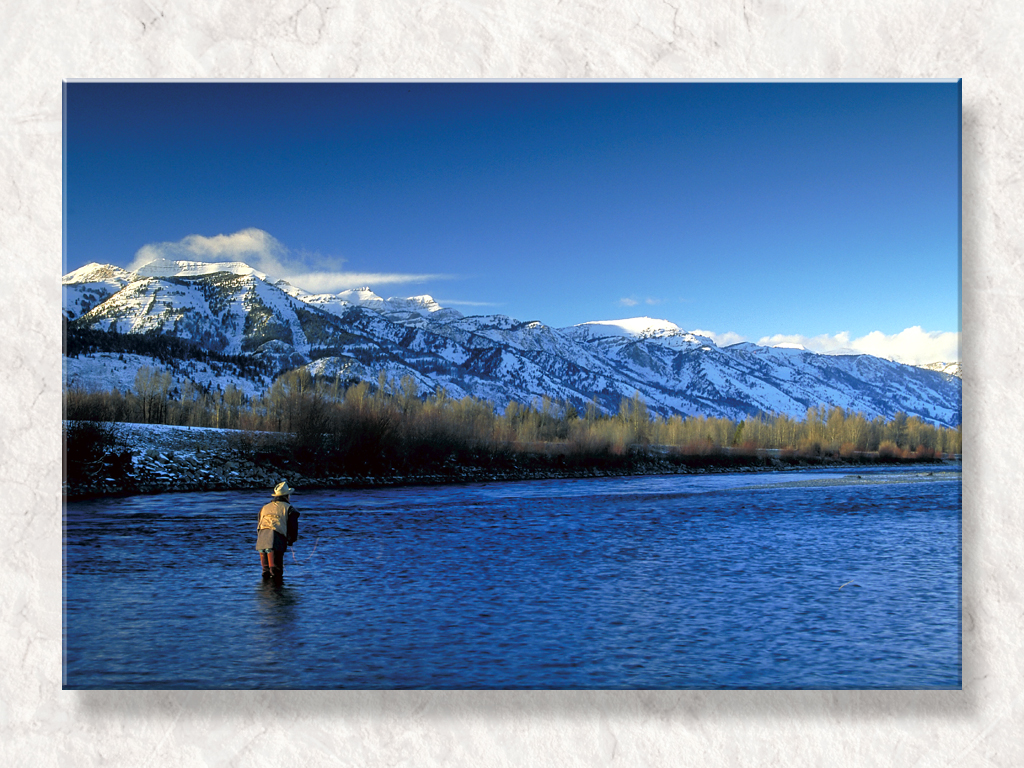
(913, 346)
(458, 303)
(259, 249)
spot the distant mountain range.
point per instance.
(240, 327)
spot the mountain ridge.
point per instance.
(239, 311)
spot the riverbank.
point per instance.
(132, 459)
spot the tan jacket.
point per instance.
(275, 515)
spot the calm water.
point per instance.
(821, 579)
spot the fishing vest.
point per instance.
(275, 515)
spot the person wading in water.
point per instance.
(278, 527)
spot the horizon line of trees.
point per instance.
(325, 414)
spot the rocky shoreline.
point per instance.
(168, 471)
(174, 460)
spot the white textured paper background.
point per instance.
(43, 43)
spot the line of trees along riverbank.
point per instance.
(356, 426)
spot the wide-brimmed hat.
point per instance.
(282, 489)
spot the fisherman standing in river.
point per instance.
(278, 527)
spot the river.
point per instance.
(830, 579)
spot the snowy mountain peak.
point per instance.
(639, 329)
(290, 289)
(360, 297)
(96, 273)
(416, 303)
(633, 326)
(170, 268)
(842, 351)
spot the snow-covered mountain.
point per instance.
(952, 369)
(255, 329)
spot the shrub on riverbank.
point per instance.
(93, 448)
(330, 428)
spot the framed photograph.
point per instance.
(512, 385)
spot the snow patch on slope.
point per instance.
(104, 371)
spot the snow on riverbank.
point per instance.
(175, 459)
(142, 437)
(170, 458)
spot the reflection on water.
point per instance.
(822, 579)
(276, 604)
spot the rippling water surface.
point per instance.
(824, 579)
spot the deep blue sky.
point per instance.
(756, 208)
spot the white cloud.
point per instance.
(333, 282)
(447, 302)
(263, 252)
(913, 346)
(721, 339)
(253, 246)
(632, 301)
